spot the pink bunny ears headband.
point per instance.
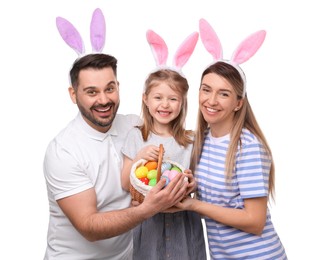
(160, 50)
(72, 37)
(245, 50)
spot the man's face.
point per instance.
(97, 97)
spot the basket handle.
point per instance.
(160, 158)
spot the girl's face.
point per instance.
(218, 103)
(164, 104)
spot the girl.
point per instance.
(172, 235)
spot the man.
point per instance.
(90, 217)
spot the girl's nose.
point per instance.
(165, 102)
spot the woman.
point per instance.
(234, 170)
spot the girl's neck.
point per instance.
(162, 130)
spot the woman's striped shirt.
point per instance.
(250, 180)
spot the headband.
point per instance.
(73, 39)
(160, 50)
(245, 50)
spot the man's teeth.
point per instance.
(104, 110)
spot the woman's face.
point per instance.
(218, 103)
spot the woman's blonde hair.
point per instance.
(244, 118)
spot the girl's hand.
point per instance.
(149, 153)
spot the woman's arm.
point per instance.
(251, 219)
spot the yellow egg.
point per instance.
(141, 172)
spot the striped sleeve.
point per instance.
(252, 168)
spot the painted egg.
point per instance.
(172, 174)
(167, 179)
(166, 173)
(151, 165)
(152, 174)
(141, 172)
(176, 168)
(145, 180)
(152, 182)
(165, 166)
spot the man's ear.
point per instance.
(73, 94)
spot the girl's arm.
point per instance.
(251, 219)
(125, 174)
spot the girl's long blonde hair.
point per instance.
(244, 118)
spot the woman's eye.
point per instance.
(224, 94)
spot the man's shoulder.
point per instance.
(129, 120)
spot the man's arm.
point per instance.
(93, 225)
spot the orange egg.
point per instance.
(151, 165)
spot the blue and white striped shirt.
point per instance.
(249, 181)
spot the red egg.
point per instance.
(145, 180)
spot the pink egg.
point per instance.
(172, 174)
(166, 173)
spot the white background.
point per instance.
(285, 89)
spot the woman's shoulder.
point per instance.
(247, 137)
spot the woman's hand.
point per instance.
(192, 186)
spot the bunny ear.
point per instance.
(158, 47)
(97, 30)
(248, 47)
(70, 35)
(185, 50)
(210, 39)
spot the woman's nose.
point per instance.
(213, 99)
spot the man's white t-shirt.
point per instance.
(77, 159)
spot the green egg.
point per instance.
(152, 182)
(152, 174)
(176, 168)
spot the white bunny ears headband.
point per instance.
(160, 50)
(245, 50)
(72, 37)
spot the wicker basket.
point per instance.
(138, 189)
